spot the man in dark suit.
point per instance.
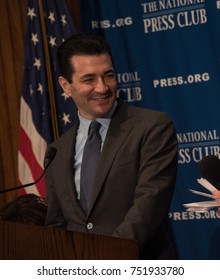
(136, 171)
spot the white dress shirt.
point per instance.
(82, 134)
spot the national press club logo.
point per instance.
(164, 15)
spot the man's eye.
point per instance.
(110, 76)
(89, 80)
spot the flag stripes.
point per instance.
(35, 111)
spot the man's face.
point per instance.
(93, 86)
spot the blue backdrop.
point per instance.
(167, 55)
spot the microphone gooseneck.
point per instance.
(50, 156)
(48, 159)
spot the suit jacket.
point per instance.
(134, 184)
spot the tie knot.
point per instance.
(95, 126)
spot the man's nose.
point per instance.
(101, 86)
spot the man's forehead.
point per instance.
(92, 64)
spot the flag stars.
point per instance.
(51, 17)
(40, 88)
(31, 90)
(37, 63)
(31, 13)
(65, 96)
(63, 20)
(52, 41)
(34, 38)
(66, 118)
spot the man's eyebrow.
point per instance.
(86, 76)
(109, 71)
(91, 75)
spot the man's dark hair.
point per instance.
(80, 44)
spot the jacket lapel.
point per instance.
(70, 182)
(119, 128)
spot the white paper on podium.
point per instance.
(197, 209)
(203, 206)
(206, 184)
(203, 194)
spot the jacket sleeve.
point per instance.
(156, 180)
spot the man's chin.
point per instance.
(102, 111)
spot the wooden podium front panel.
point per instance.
(29, 242)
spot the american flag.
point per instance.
(36, 130)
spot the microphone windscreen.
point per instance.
(210, 169)
(51, 153)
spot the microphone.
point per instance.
(48, 159)
(210, 169)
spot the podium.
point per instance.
(30, 242)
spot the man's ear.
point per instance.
(65, 85)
